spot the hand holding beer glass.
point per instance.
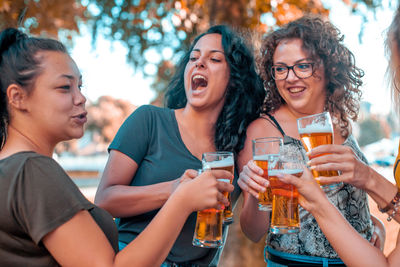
(316, 130)
(221, 161)
(285, 217)
(208, 230)
(264, 149)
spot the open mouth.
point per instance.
(199, 81)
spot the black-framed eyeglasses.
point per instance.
(301, 70)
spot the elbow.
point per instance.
(100, 199)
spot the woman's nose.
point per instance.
(199, 64)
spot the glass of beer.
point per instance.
(264, 149)
(285, 217)
(221, 160)
(208, 230)
(316, 130)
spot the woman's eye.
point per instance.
(80, 86)
(216, 59)
(304, 66)
(280, 69)
(192, 58)
(65, 87)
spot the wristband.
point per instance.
(394, 204)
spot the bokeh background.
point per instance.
(127, 51)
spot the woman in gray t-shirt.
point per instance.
(44, 218)
(212, 98)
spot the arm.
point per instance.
(80, 242)
(115, 194)
(353, 171)
(352, 248)
(254, 223)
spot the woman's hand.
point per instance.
(339, 158)
(251, 179)
(204, 191)
(311, 193)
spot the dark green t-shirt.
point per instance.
(151, 137)
(36, 197)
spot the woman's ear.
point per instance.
(17, 97)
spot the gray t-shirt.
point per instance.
(151, 137)
(36, 197)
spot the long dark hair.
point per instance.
(244, 95)
(19, 65)
(323, 42)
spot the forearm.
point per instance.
(163, 230)
(254, 223)
(351, 247)
(125, 200)
(381, 190)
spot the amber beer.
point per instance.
(265, 152)
(285, 203)
(264, 198)
(314, 139)
(316, 130)
(208, 231)
(225, 164)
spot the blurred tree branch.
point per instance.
(155, 31)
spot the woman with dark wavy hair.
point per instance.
(44, 218)
(211, 100)
(306, 70)
(351, 247)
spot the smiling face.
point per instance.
(302, 96)
(56, 105)
(207, 73)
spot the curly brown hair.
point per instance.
(323, 42)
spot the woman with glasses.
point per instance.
(306, 70)
(353, 249)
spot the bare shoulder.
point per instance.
(262, 127)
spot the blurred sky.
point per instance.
(105, 71)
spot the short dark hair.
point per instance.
(19, 65)
(323, 42)
(244, 95)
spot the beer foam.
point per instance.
(265, 157)
(228, 161)
(316, 128)
(284, 171)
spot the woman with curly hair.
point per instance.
(306, 70)
(211, 100)
(351, 247)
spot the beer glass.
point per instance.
(221, 160)
(263, 149)
(208, 230)
(285, 217)
(316, 130)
